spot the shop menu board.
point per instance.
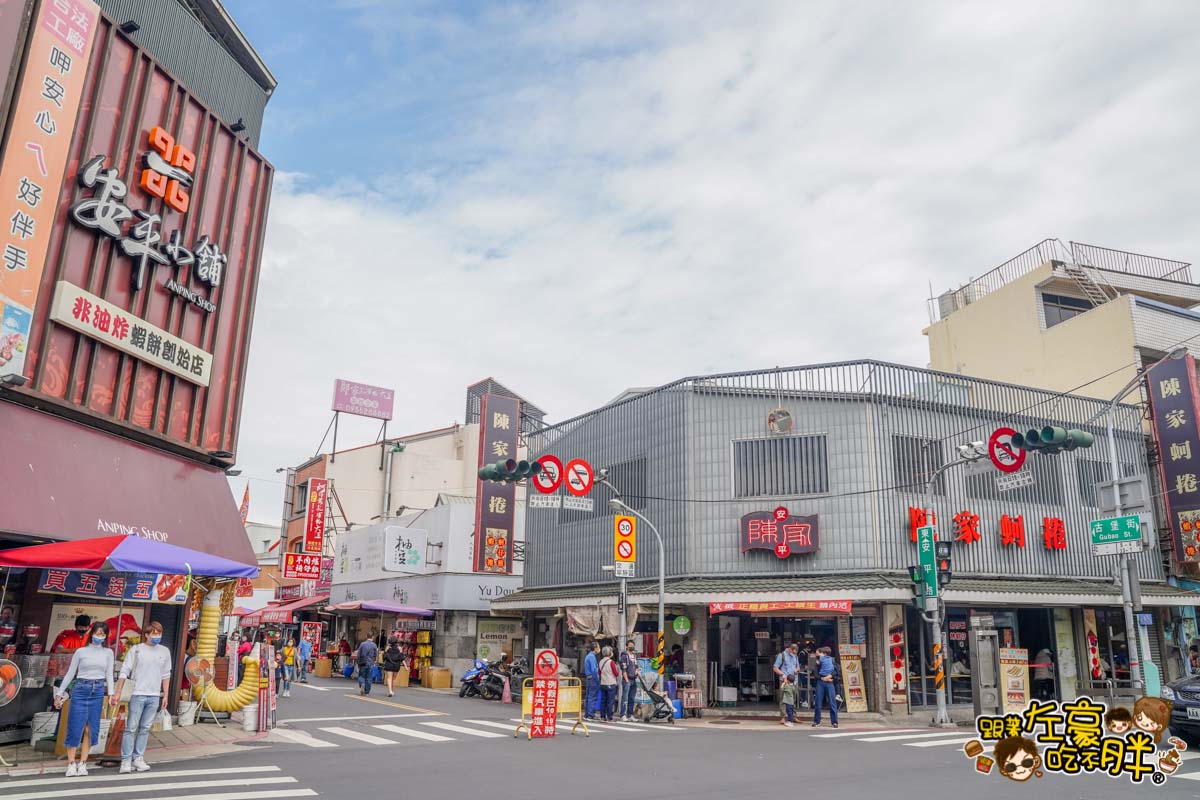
(853, 684)
(1014, 676)
(135, 587)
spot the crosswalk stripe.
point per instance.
(864, 733)
(310, 686)
(359, 735)
(429, 737)
(148, 787)
(642, 726)
(136, 776)
(302, 737)
(941, 742)
(591, 726)
(904, 736)
(364, 716)
(492, 724)
(242, 795)
(446, 726)
(1191, 776)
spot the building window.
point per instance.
(300, 502)
(1060, 308)
(780, 466)
(914, 460)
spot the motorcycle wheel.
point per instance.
(486, 693)
(462, 690)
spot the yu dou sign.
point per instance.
(1173, 390)
(495, 503)
(779, 532)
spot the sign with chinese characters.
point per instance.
(544, 711)
(832, 606)
(544, 501)
(1173, 389)
(404, 549)
(301, 566)
(365, 401)
(245, 588)
(314, 515)
(136, 587)
(35, 161)
(1014, 676)
(1007, 482)
(326, 579)
(311, 631)
(294, 592)
(1117, 535)
(926, 557)
(495, 503)
(779, 532)
(495, 636)
(85, 312)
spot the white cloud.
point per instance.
(690, 188)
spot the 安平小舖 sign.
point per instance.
(364, 400)
(495, 503)
(314, 515)
(46, 108)
(302, 566)
(1173, 389)
(551, 477)
(782, 534)
(111, 325)
(1001, 452)
(137, 587)
(1117, 535)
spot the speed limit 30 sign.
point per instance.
(625, 539)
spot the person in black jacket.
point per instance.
(393, 660)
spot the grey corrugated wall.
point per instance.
(181, 44)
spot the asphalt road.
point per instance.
(333, 743)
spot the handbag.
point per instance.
(127, 687)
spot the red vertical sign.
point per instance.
(499, 424)
(314, 516)
(544, 710)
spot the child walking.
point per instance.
(787, 701)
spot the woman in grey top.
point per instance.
(92, 671)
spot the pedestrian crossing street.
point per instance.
(244, 783)
(953, 740)
(441, 731)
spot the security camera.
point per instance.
(602, 474)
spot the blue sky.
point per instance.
(580, 197)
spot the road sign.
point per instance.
(578, 504)
(579, 477)
(550, 478)
(625, 539)
(625, 569)
(1001, 452)
(545, 501)
(1013, 480)
(1117, 535)
(928, 558)
(545, 663)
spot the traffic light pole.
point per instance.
(1127, 567)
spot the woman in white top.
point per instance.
(92, 672)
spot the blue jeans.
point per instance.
(630, 694)
(142, 710)
(364, 679)
(593, 697)
(87, 700)
(289, 672)
(303, 671)
(825, 689)
(606, 701)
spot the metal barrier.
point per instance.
(570, 701)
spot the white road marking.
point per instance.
(903, 736)
(243, 795)
(492, 724)
(365, 716)
(865, 733)
(445, 726)
(310, 686)
(146, 787)
(302, 737)
(429, 737)
(643, 726)
(109, 778)
(940, 742)
(362, 737)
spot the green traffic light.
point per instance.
(1080, 438)
(489, 472)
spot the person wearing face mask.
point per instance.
(73, 638)
(92, 672)
(149, 667)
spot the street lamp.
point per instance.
(1127, 565)
(617, 506)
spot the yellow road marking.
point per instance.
(429, 711)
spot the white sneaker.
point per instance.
(126, 767)
(72, 769)
(789, 724)
(81, 770)
(140, 765)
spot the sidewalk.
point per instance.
(194, 741)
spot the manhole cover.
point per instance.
(725, 722)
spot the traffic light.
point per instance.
(509, 470)
(1052, 440)
(941, 551)
(917, 576)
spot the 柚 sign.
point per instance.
(404, 549)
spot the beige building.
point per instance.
(1061, 316)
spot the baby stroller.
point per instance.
(662, 708)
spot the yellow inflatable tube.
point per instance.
(206, 647)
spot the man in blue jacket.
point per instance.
(591, 676)
(304, 654)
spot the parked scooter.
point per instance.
(470, 681)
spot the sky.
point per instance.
(576, 198)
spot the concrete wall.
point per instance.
(1002, 337)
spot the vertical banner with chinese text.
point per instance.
(499, 424)
(35, 160)
(314, 516)
(1173, 390)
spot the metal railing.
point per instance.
(1132, 263)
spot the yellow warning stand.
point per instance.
(570, 703)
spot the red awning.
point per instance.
(75, 482)
(280, 614)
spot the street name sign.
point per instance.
(1117, 535)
